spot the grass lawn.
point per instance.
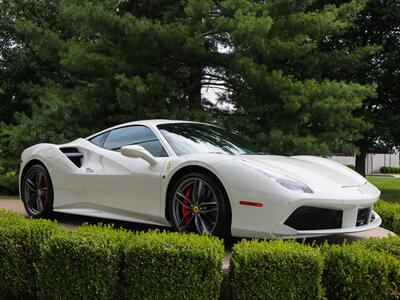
(389, 186)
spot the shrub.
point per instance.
(276, 270)
(39, 260)
(8, 183)
(20, 241)
(388, 211)
(173, 266)
(104, 263)
(389, 245)
(8, 216)
(353, 167)
(357, 272)
(81, 264)
(391, 170)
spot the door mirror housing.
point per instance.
(136, 151)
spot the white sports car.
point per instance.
(197, 178)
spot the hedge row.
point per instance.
(390, 214)
(40, 260)
(276, 270)
(358, 272)
(288, 270)
(390, 170)
(20, 243)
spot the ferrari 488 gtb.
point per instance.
(197, 178)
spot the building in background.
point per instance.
(374, 162)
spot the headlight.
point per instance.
(285, 181)
(294, 185)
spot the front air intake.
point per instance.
(315, 218)
(73, 154)
(363, 216)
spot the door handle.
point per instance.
(89, 170)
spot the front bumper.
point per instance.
(269, 221)
(350, 217)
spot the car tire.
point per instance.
(37, 192)
(199, 204)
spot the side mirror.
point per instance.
(136, 151)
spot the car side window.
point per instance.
(98, 140)
(135, 135)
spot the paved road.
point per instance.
(73, 221)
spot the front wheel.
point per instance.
(198, 204)
(37, 192)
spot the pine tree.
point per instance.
(375, 27)
(96, 63)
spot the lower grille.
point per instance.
(315, 218)
(363, 216)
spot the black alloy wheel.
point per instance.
(37, 192)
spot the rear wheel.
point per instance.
(37, 192)
(198, 204)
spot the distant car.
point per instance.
(198, 178)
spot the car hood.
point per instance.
(318, 173)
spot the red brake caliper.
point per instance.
(186, 202)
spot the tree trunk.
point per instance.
(194, 88)
(361, 162)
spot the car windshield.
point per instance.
(191, 138)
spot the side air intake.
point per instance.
(74, 155)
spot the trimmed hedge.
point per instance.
(390, 214)
(389, 245)
(358, 272)
(276, 270)
(173, 266)
(20, 242)
(390, 170)
(79, 265)
(102, 263)
(40, 260)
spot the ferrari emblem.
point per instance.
(196, 210)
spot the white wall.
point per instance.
(373, 162)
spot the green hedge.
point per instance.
(390, 214)
(79, 265)
(173, 266)
(276, 270)
(390, 170)
(20, 242)
(353, 167)
(40, 260)
(358, 272)
(389, 245)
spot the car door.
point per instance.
(121, 185)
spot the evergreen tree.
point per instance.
(284, 96)
(375, 26)
(90, 64)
